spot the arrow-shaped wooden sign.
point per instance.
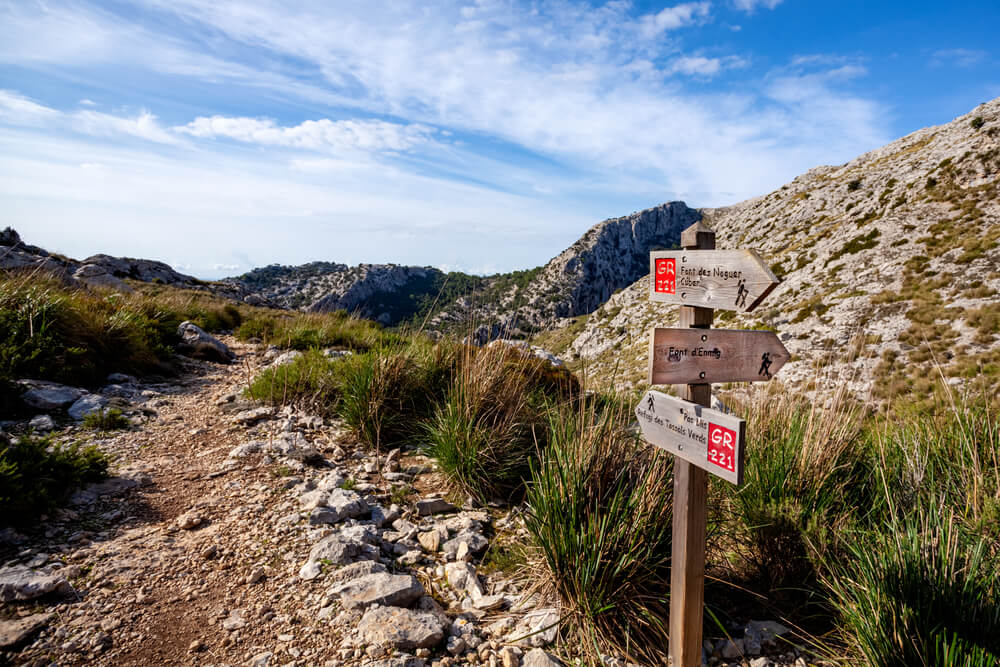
(706, 438)
(703, 356)
(722, 279)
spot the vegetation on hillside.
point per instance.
(874, 533)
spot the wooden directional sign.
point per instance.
(722, 279)
(703, 356)
(707, 438)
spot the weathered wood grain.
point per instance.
(722, 279)
(708, 439)
(682, 356)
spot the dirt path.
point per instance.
(152, 593)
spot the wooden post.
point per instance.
(687, 565)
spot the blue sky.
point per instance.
(475, 135)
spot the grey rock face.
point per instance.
(19, 582)
(400, 628)
(16, 631)
(42, 423)
(93, 275)
(536, 657)
(87, 404)
(395, 590)
(200, 345)
(49, 395)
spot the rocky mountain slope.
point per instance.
(98, 270)
(890, 267)
(610, 256)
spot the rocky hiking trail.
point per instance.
(239, 534)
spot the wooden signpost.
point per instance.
(700, 278)
(691, 356)
(725, 279)
(707, 438)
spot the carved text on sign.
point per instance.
(704, 356)
(709, 439)
(723, 279)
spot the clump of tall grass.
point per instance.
(920, 590)
(37, 474)
(484, 433)
(599, 513)
(808, 477)
(310, 382)
(303, 331)
(952, 456)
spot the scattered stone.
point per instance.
(189, 520)
(198, 344)
(234, 621)
(246, 449)
(14, 632)
(42, 423)
(455, 645)
(430, 541)
(256, 576)
(252, 416)
(508, 658)
(730, 649)
(286, 358)
(261, 659)
(346, 504)
(87, 405)
(463, 578)
(382, 588)
(19, 582)
(428, 506)
(196, 646)
(399, 628)
(475, 543)
(539, 658)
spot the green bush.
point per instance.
(599, 514)
(920, 591)
(37, 475)
(311, 382)
(110, 420)
(977, 122)
(303, 331)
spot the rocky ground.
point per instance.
(236, 534)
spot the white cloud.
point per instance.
(705, 67)
(323, 134)
(590, 101)
(959, 57)
(672, 18)
(751, 5)
(18, 109)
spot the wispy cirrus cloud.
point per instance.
(321, 135)
(751, 5)
(959, 57)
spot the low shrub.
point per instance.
(110, 420)
(37, 474)
(310, 381)
(303, 331)
(599, 509)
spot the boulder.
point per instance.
(397, 628)
(200, 345)
(87, 404)
(381, 588)
(49, 395)
(347, 504)
(93, 275)
(19, 582)
(14, 632)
